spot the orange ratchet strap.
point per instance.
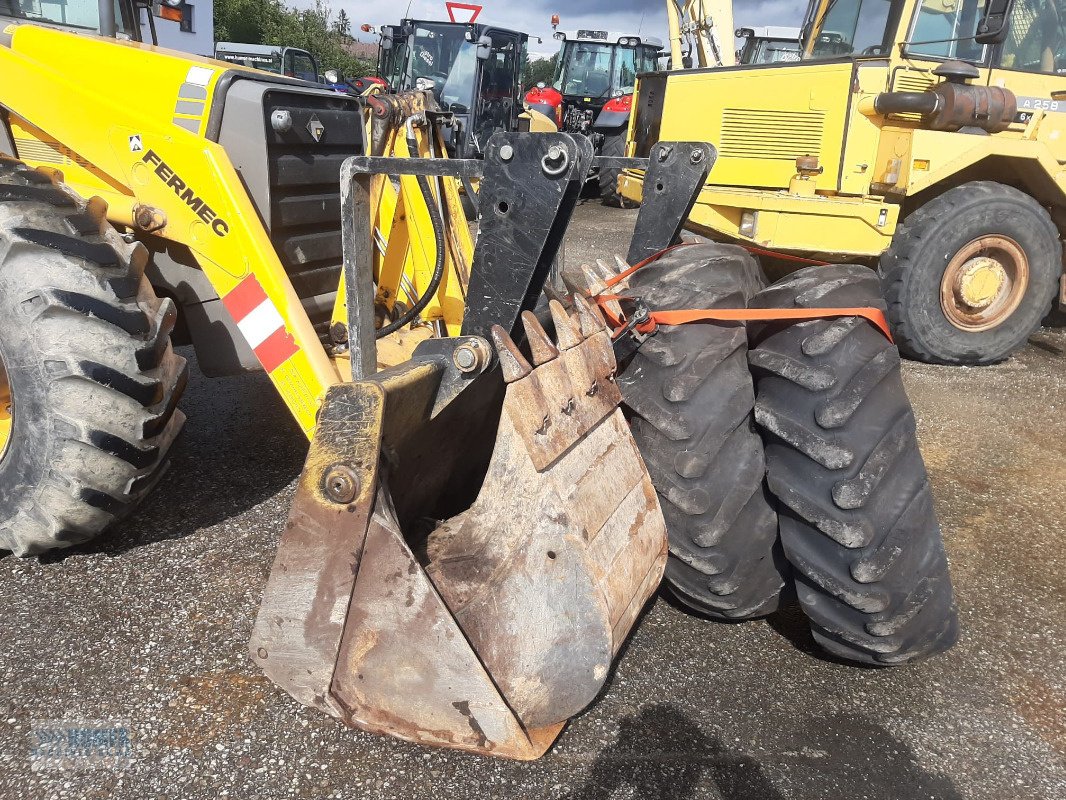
(872, 315)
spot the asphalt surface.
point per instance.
(147, 628)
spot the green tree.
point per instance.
(316, 30)
(539, 69)
(342, 26)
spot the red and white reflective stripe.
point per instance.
(260, 323)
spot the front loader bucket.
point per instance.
(461, 571)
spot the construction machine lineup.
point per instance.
(505, 459)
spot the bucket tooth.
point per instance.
(542, 348)
(512, 362)
(596, 285)
(554, 294)
(593, 279)
(605, 270)
(573, 286)
(567, 331)
(589, 317)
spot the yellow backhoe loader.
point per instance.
(924, 138)
(478, 523)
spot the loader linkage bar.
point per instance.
(531, 184)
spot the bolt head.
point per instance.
(468, 357)
(281, 121)
(696, 157)
(341, 484)
(555, 152)
(506, 152)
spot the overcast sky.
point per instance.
(534, 16)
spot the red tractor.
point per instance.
(592, 91)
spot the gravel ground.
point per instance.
(147, 628)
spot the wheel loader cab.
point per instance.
(894, 105)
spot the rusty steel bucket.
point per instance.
(427, 592)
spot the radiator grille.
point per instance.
(784, 135)
(47, 153)
(304, 180)
(907, 80)
(911, 81)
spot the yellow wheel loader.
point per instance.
(921, 137)
(478, 522)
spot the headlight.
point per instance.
(749, 221)
(173, 3)
(422, 84)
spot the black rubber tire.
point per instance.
(93, 377)
(912, 268)
(856, 511)
(689, 396)
(614, 144)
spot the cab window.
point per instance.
(496, 100)
(630, 62)
(500, 66)
(945, 29)
(71, 13)
(852, 28)
(300, 65)
(1036, 39)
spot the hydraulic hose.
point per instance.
(438, 237)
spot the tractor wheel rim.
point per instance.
(984, 283)
(7, 415)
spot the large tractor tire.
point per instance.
(856, 511)
(90, 382)
(689, 396)
(614, 144)
(971, 274)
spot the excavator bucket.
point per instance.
(474, 533)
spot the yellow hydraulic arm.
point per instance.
(707, 26)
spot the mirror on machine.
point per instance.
(992, 29)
